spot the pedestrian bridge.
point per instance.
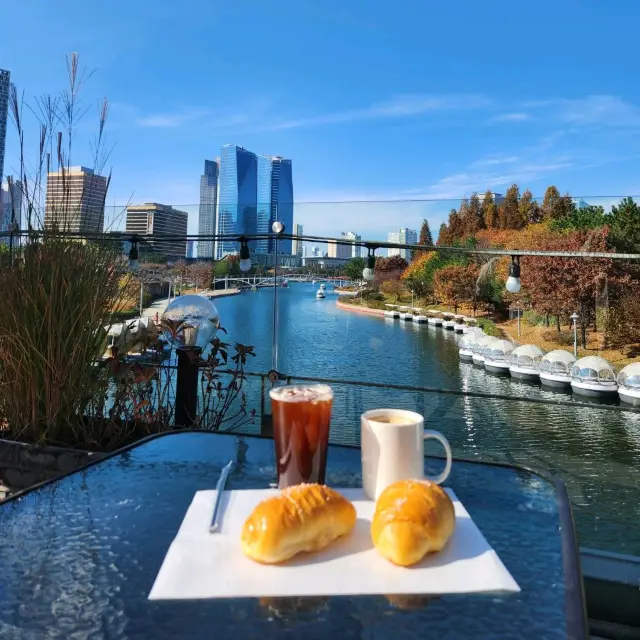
(242, 282)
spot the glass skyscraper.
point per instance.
(5, 84)
(237, 209)
(208, 204)
(275, 200)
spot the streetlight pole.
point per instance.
(574, 317)
(518, 312)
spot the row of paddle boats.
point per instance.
(559, 369)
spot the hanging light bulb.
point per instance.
(368, 271)
(133, 254)
(245, 260)
(513, 281)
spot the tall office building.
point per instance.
(353, 237)
(152, 221)
(5, 85)
(275, 200)
(254, 191)
(10, 208)
(296, 245)
(237, 200)
(335, 250)
(75, 200)
(208, 204)
(403, 236)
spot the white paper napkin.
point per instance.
(204, 565)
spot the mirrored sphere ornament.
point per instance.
(190, 321)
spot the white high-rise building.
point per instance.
(296, 245)
(402, 236)
(353, 237)
(5, 86)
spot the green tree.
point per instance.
(221, 269)
(509, 212)
(425, 234)
(582, 219)
(625, 226)
(354, 268)
(489, 211)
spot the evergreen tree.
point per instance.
(425, 234)
(462, 217)
(455, 226)
(530, 211)
(509, 212)
(489, 211)
(474, 218)
(443, 236)
(625, 226)
(555, 206)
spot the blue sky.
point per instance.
(412, 100)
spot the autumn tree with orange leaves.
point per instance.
(456, 284)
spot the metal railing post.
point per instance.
(187, 386)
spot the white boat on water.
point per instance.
(434, 318)
(420, 319)
(555, 369)
(525, 362)
(392, 314)
(323, 286)
(320, 294)
(496, 356)
(464, 347)
(448, 322)
(593, 376)
(478, 346)
(629, 384)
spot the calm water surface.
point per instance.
(596, 452)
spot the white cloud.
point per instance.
(190, 116)
(520, 116)
(603, 110)
(397, 107)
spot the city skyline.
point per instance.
(364, 131)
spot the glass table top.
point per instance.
(79, 555)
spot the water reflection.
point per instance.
(596, 452)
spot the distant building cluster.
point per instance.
(402, 236)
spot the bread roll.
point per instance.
(306, 517)
(412, 518)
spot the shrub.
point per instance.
(58, 298)
(373, 295)
(565, 338)
(392, 288)
(489, 327)
(532, 318)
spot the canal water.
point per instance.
(596, 451)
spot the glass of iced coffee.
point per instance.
(301, 419)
